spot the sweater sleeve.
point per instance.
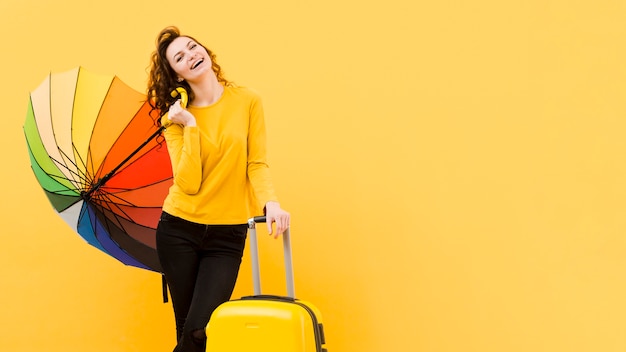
(183, 144)
(258, 168)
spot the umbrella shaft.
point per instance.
(103, 180)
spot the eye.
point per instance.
(178, 58)
(193, 46)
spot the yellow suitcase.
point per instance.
(266, 322)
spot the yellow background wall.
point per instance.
(455, 170)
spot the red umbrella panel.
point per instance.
(98, 156)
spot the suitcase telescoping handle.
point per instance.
(254, 257)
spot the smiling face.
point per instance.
(188, 59)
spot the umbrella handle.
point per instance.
(183, 96)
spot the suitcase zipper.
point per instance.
(320, 338)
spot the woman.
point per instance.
(218, 154)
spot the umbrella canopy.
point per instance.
(95, 151)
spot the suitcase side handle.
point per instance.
(254, 257)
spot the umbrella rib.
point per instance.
(113, 195)
(111, 198)
(79, 176)
(83, 177)
(55, 177)
(110, 205)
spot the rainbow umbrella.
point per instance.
(94, 150)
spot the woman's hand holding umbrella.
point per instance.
(178, 114)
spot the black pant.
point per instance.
(200, 263)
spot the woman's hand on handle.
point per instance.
(180, 115)
(275, 214)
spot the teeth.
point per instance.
(197, 63)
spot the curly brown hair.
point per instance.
(162, 78)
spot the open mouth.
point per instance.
(197, 63)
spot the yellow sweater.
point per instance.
(221, 175)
